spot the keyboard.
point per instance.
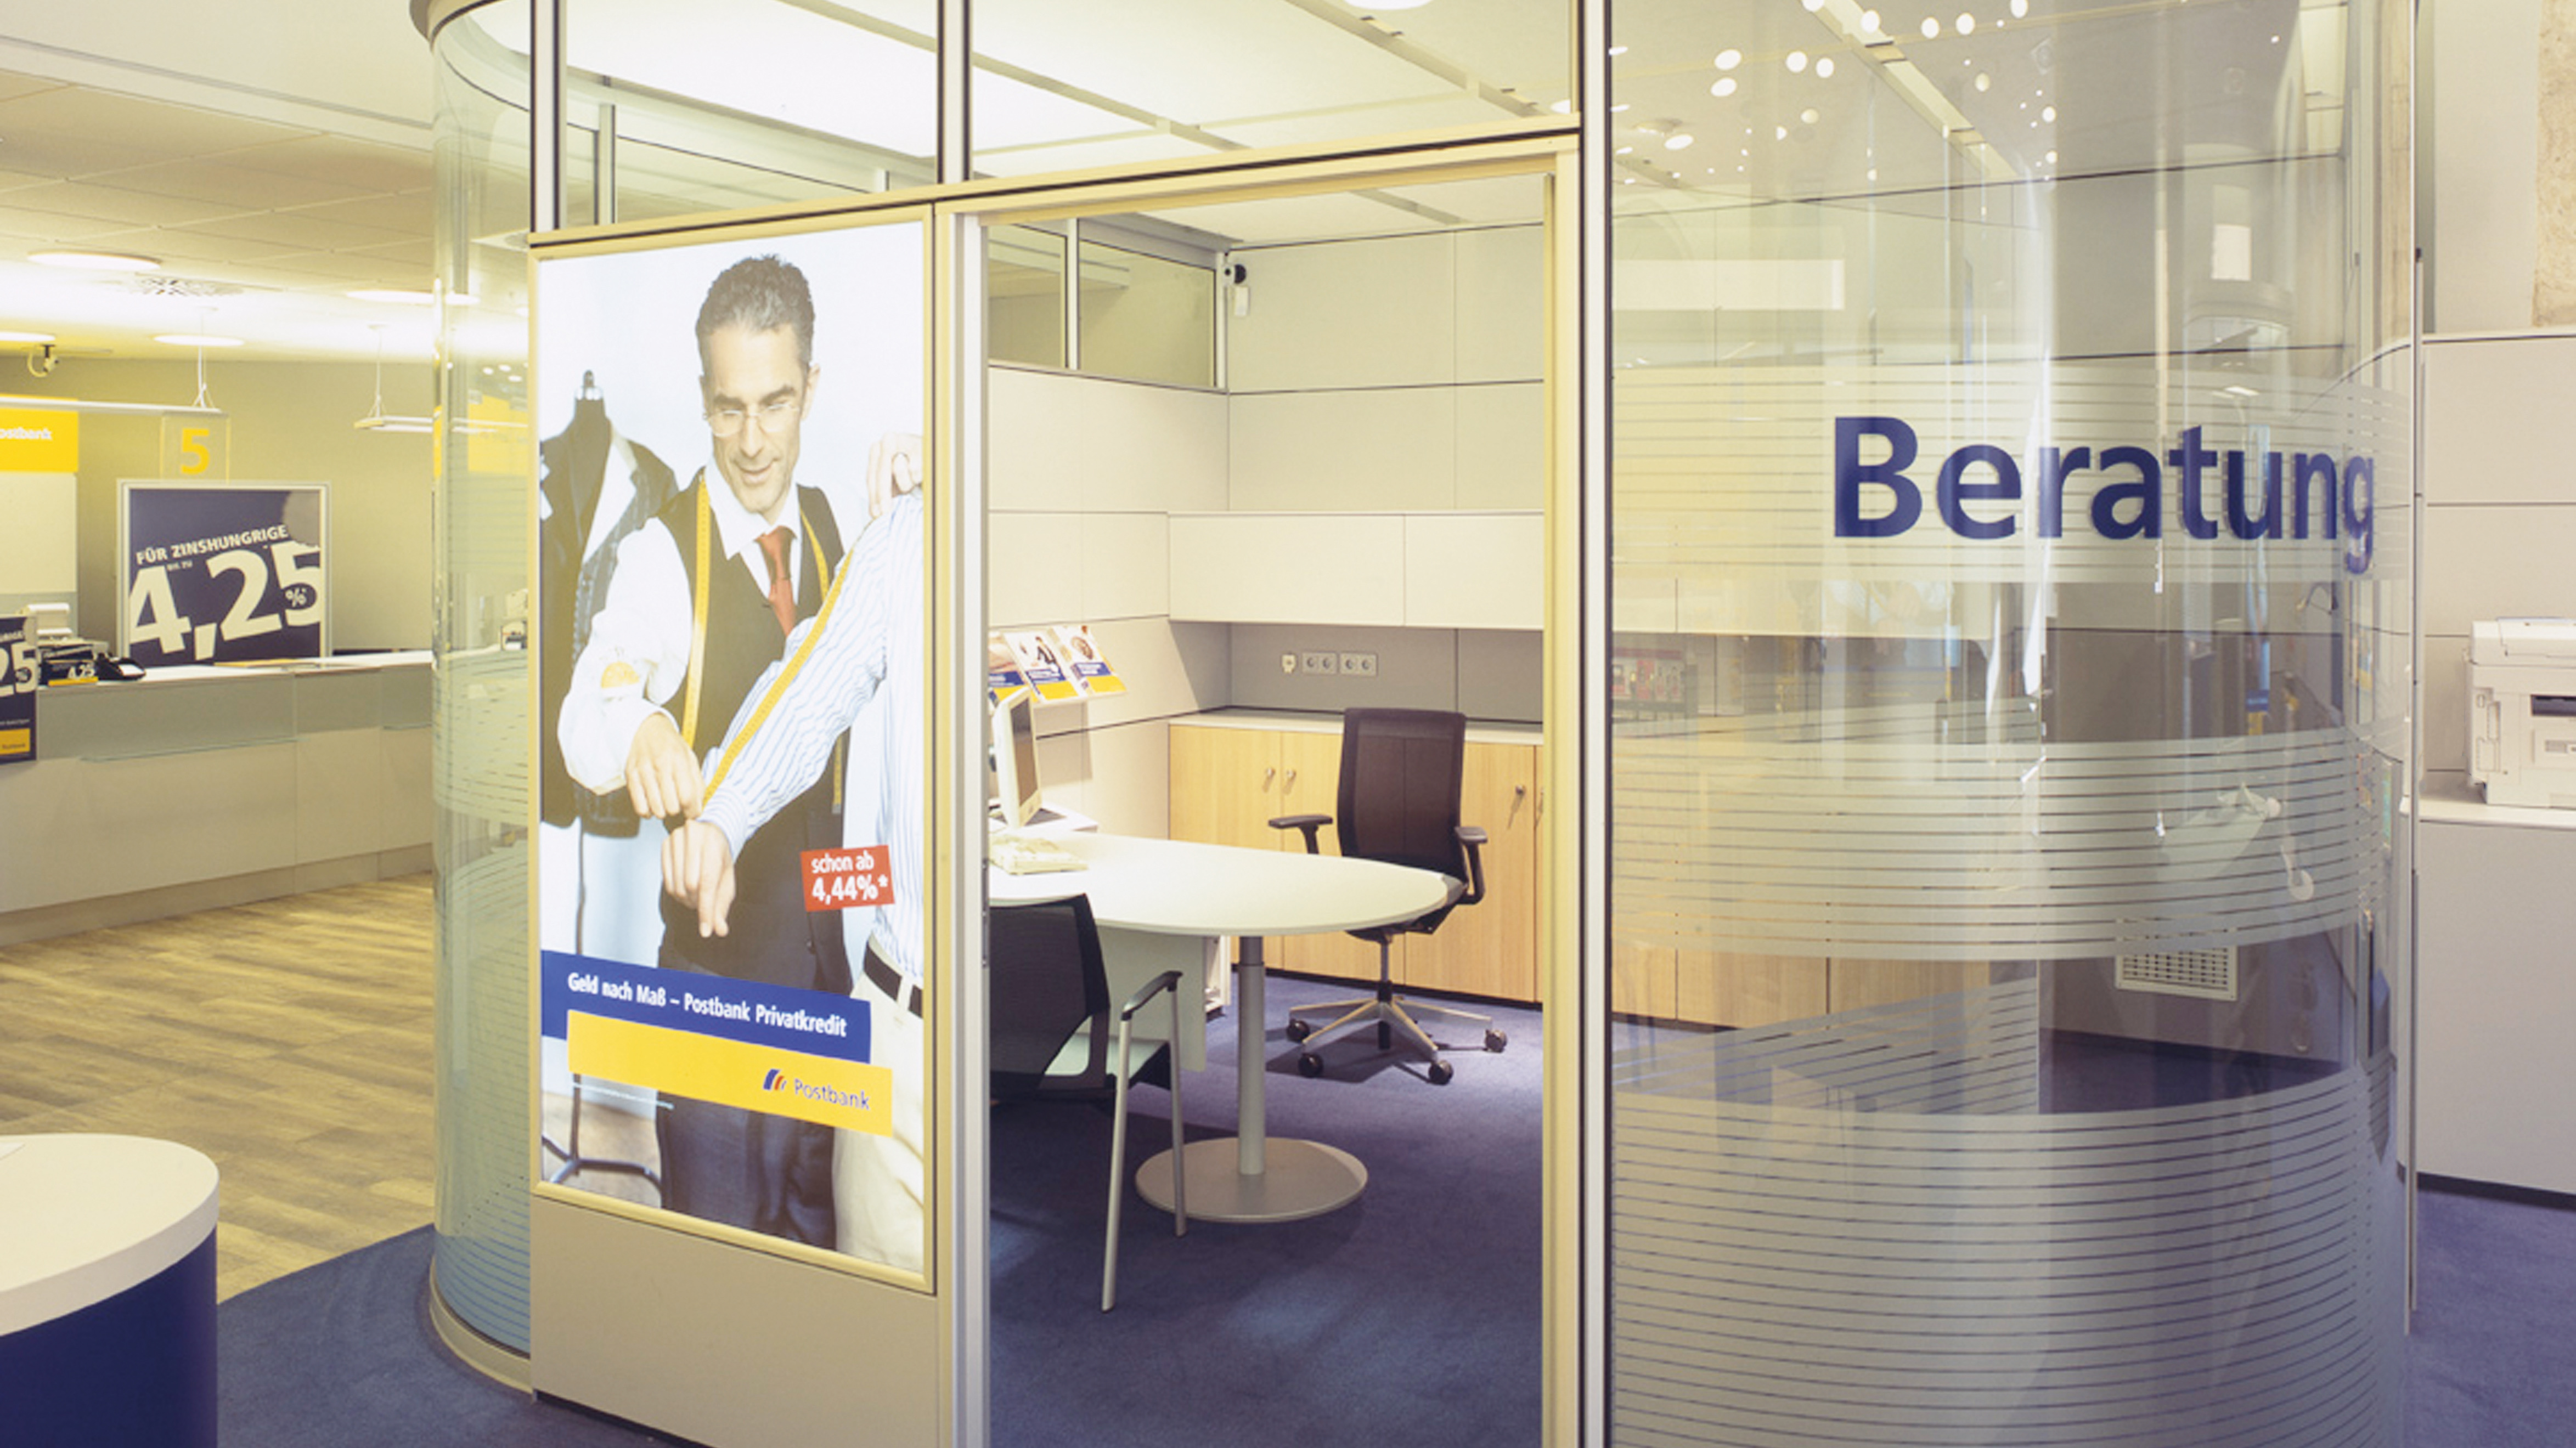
(1030, 855)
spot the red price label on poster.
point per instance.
(839, 879)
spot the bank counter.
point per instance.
(199, 787)
(107, 1291)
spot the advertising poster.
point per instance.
(731, 695)
(17, 689)
(224, 573)
(1042, 666)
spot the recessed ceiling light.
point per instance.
(1725, 87)
(35, 338)
(116, 261)
(1796, 60)
(1729, 58)
(1824, 67)
(197, 339)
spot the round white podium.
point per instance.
(107, 1291)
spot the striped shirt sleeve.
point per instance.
(834, 663)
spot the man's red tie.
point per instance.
(782, 589)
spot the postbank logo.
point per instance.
(827, 1092)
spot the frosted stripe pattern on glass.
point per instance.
(1839, 839)
(1941, 1266)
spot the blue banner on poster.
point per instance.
(224, 574)
(17, 690)
(816, 1023)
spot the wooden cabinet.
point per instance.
(1229, 781)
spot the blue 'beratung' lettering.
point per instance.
(2130, 501)
(1850, 473)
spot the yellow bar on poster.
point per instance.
(849, 1094)
(39, 442)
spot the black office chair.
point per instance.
(1052, 1038)
(1401, 774)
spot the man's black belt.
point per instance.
(889, 980)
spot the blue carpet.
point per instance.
(1410, 1316)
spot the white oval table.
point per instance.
(107, 1291)
(1179, 888)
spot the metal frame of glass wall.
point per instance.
(1822, 555)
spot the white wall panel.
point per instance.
(1033, 424)
(1377, 450)
(1346, 314)
(1036, 569)
(1502, 304)
(2446, 703)
(40, 546)
(1151, 448)
(2497, 562)
(1288, 568)
(1474, 570)
(1123, 561)
(2495, 991)
(2485, 139)
(2492, 409)
(1502, 446)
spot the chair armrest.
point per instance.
(1473, 837)
(1169, 980)
(1310, 823)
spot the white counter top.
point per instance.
(84, 1218)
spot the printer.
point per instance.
(2522, 711)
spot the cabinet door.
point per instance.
(1490, 948)
(1310, 773)
(1225, 786)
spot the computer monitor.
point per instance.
(1015, 757)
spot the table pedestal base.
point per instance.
(1299, 1179)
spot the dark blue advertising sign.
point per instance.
(17, 690)
(223, 574)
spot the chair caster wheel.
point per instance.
(1299, 1030)
(1309, 1064)
(1441, 1071)
(1496, 1040)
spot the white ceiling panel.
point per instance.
(1081, 155)
(1526, 45)
(207, 180)
(113, 203)
(347, 162)
(1197, 60)
(416, 256)
(134, 121)
(37, 228)
(411, 213)
(183, 245)
(1439, 111)
(357, 271)
(300, 231)
(1300, 218)
(16, 180)
(14, 86)
(71, 156)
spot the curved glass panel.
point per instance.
(2012, 604)
(480, 698)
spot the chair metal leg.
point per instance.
(1117, 1182)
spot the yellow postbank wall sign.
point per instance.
(32, 441)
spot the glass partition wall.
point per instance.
(2012, 653)
(2010, 611)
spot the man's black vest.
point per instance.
(772, 937)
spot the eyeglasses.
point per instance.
(726, 421)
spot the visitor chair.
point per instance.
(1056, 1037)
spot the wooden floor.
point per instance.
(288, 1040)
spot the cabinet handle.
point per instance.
(1291, 781)
(1268, 775)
